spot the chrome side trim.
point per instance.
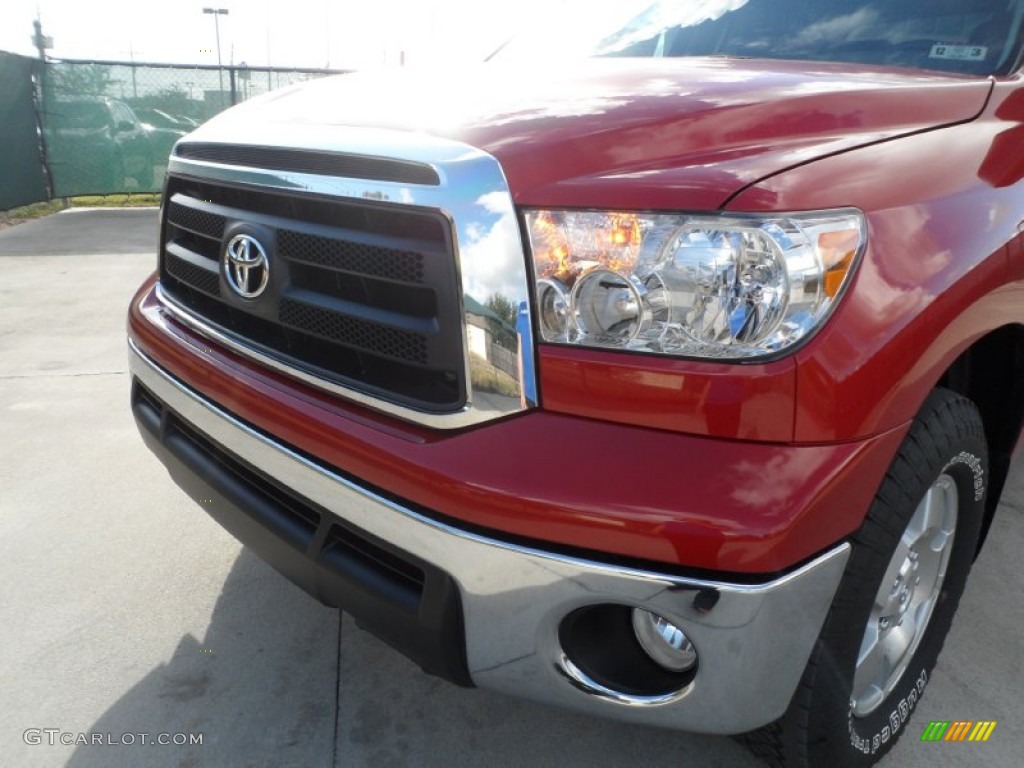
(473, 195)
(753, 640)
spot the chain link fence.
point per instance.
(109, 126)
(106, 127)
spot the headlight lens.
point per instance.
(723, 287)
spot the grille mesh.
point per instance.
(202, 279)
(201, 222)
(363, 294)
(349, 256)
(353, 332)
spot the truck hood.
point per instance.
(626, 133)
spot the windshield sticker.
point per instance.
(959, 52)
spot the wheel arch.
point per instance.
(990, 372)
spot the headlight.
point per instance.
(714, 286)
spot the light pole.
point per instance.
(217, 13)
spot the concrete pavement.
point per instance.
(126, 610)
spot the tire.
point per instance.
(848, 711)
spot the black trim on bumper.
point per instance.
(408, 603)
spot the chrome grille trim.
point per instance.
(473, 195)
(321, 163)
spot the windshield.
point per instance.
(966, 36)
(80, 114)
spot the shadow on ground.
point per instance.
(390, 714)
(265, 687)
(260, 686)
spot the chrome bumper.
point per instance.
(753, 640)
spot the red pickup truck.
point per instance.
(675, 383)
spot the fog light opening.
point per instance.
(666, 644)
(609, 657)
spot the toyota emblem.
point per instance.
(246, 266)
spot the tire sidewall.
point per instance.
(829, 714)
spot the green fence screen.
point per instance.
(108, 127)
(21, 164)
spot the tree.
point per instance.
(503, 307)
(66, 79)
(503, 325)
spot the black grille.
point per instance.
(195, 220)
(205, 280)
(401, 266)
(367, 336)
(362, 294)
(308, 161)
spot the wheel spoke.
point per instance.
(869, 647)
(897, 642)
(921, 613)
(940, 541)
(871, 698)
(870, 668)
(884, 598)
(906, 596)
(932, 510)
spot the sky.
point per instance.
(297, 33)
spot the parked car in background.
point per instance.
(677, 383)
(162, 131)
(99, 145)
(158, 118)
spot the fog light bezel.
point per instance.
(602, 656)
